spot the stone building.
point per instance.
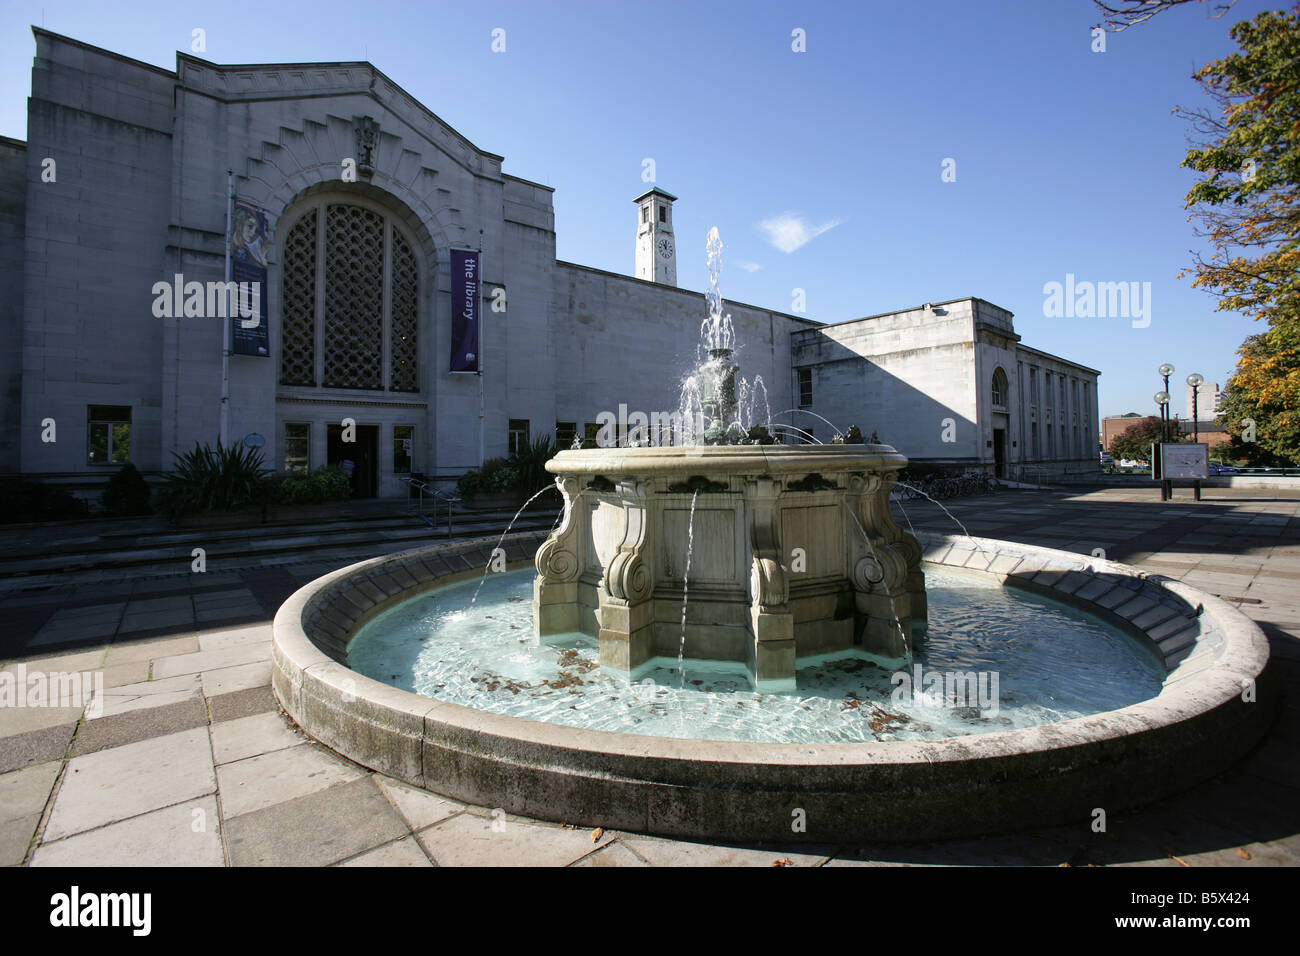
(122, 184)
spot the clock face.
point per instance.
(665, 247)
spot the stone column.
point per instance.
(555, 589)
(626, 609)
(770, 619)
(888, 584)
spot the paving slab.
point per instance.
(228, 680)
(34, 746)
(210, 660)
(123, 782)
(612, 853)
(402, 853)
(242, 703)
(233, 637)
(21, 720)
(419, 808)
(255, 783)
(146, 649)
(16, 836)
(128, 672)
(140, 723)
(26, 791)
(659, 852)
(317, 829)
(152, 693)
(187, 834)
(23, 795)
(249, 736)
(80, 661)
(470, 840)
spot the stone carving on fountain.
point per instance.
(798, 556)
(795, 552)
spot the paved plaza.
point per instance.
(192, 763)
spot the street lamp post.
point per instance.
(1162, 399)
(1195, 380)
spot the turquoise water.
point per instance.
(1032, 661)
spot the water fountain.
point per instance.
(727, 634)
(798, 554)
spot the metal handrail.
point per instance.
(423, 487)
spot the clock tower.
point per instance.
(656, 247)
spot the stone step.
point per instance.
(343, 538)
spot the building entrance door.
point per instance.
(1000, 452)
(359, 457)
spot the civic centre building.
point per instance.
(358, 195)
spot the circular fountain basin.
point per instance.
(1214, 702)
(994, 659)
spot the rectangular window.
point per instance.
(808, 435)
(805, 387)
(1033, 437)
(108, 434)
(663, 213)
(645, 213)
(403, 448)
(590, 434)
(297, 447)
(518, 438)
(564, 434)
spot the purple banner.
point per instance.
(248, 269)
(465, 301)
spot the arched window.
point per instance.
(999, 388)
(349, 301)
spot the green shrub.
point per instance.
(127, 493)
(531, 464)
(220, 479)
(524, 472)
(327, 483)
(24, 500)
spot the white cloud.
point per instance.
(790, 231)
(747, 265)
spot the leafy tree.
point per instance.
(1135, 441)
(1263, 391)
(1248, 204)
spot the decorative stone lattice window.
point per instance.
(298, 301)
(349, 301)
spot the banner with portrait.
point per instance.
(248, 241)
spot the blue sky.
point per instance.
(1066, 160)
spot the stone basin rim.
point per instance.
(1246, 660)
(734, 459)
(415, 738)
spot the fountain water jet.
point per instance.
(785, 573)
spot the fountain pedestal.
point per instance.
(792, 553)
